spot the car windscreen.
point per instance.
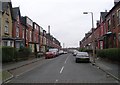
(82, 54)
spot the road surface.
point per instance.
(63, 69)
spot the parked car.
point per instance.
(49, 55)
(65, 52)
(61, 52)
(75, 52)
(54, 50)
(82, 57)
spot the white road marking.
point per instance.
(61, 69)
(66, 59)
(56, 80)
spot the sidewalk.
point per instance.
(19, 64)
(108, 66)
(6, 75)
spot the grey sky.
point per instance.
(66, 18)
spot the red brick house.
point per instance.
(113, 27)
(17, 32)
(36, 37)
(95, 37)
(41, 38)
(102, 30)
(107, 33)
(28, 24)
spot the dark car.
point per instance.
(82, 57)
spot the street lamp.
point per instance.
(93, 35)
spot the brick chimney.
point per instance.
(49, 29)
(116, 1)
(98, 23)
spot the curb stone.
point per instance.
(5, 81)
(24, 65)
(108, 73)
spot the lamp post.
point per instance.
(93, 35)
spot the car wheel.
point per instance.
(76, 61)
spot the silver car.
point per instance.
(82, 57)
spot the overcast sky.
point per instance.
(66, 18)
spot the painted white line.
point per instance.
(56, 80)
(61, 69)
(66, 59)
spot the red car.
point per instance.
(49, 55)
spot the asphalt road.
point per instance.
(63, 69)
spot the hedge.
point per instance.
(111, 53)
(10, 54)
(85, 50)
(26, 51)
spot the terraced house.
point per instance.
(107, 32)
(36, 36)
(7, 39)
(21, 31)
(28, 32)
(113, 26)
(17, 32)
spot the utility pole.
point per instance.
(93, 35)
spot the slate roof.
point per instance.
(103, 14)
(16, 12)
(23, 20)
(5, 6)
(117, 4)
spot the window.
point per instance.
(35, 26)
(6, 27)
(109, 24)
(18, 20)
(5, 43)
(23, 32)
(35, 37)
(17, 31)
(118, 16)
(11, 43)
(114, 40)
(101, 44)
(26, 34)
(113, 20)
(29, 22)
(104, 28)
(30, 36)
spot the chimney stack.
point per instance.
(116, 1)
(48, 29)
(98, 22)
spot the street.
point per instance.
(63, 69)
